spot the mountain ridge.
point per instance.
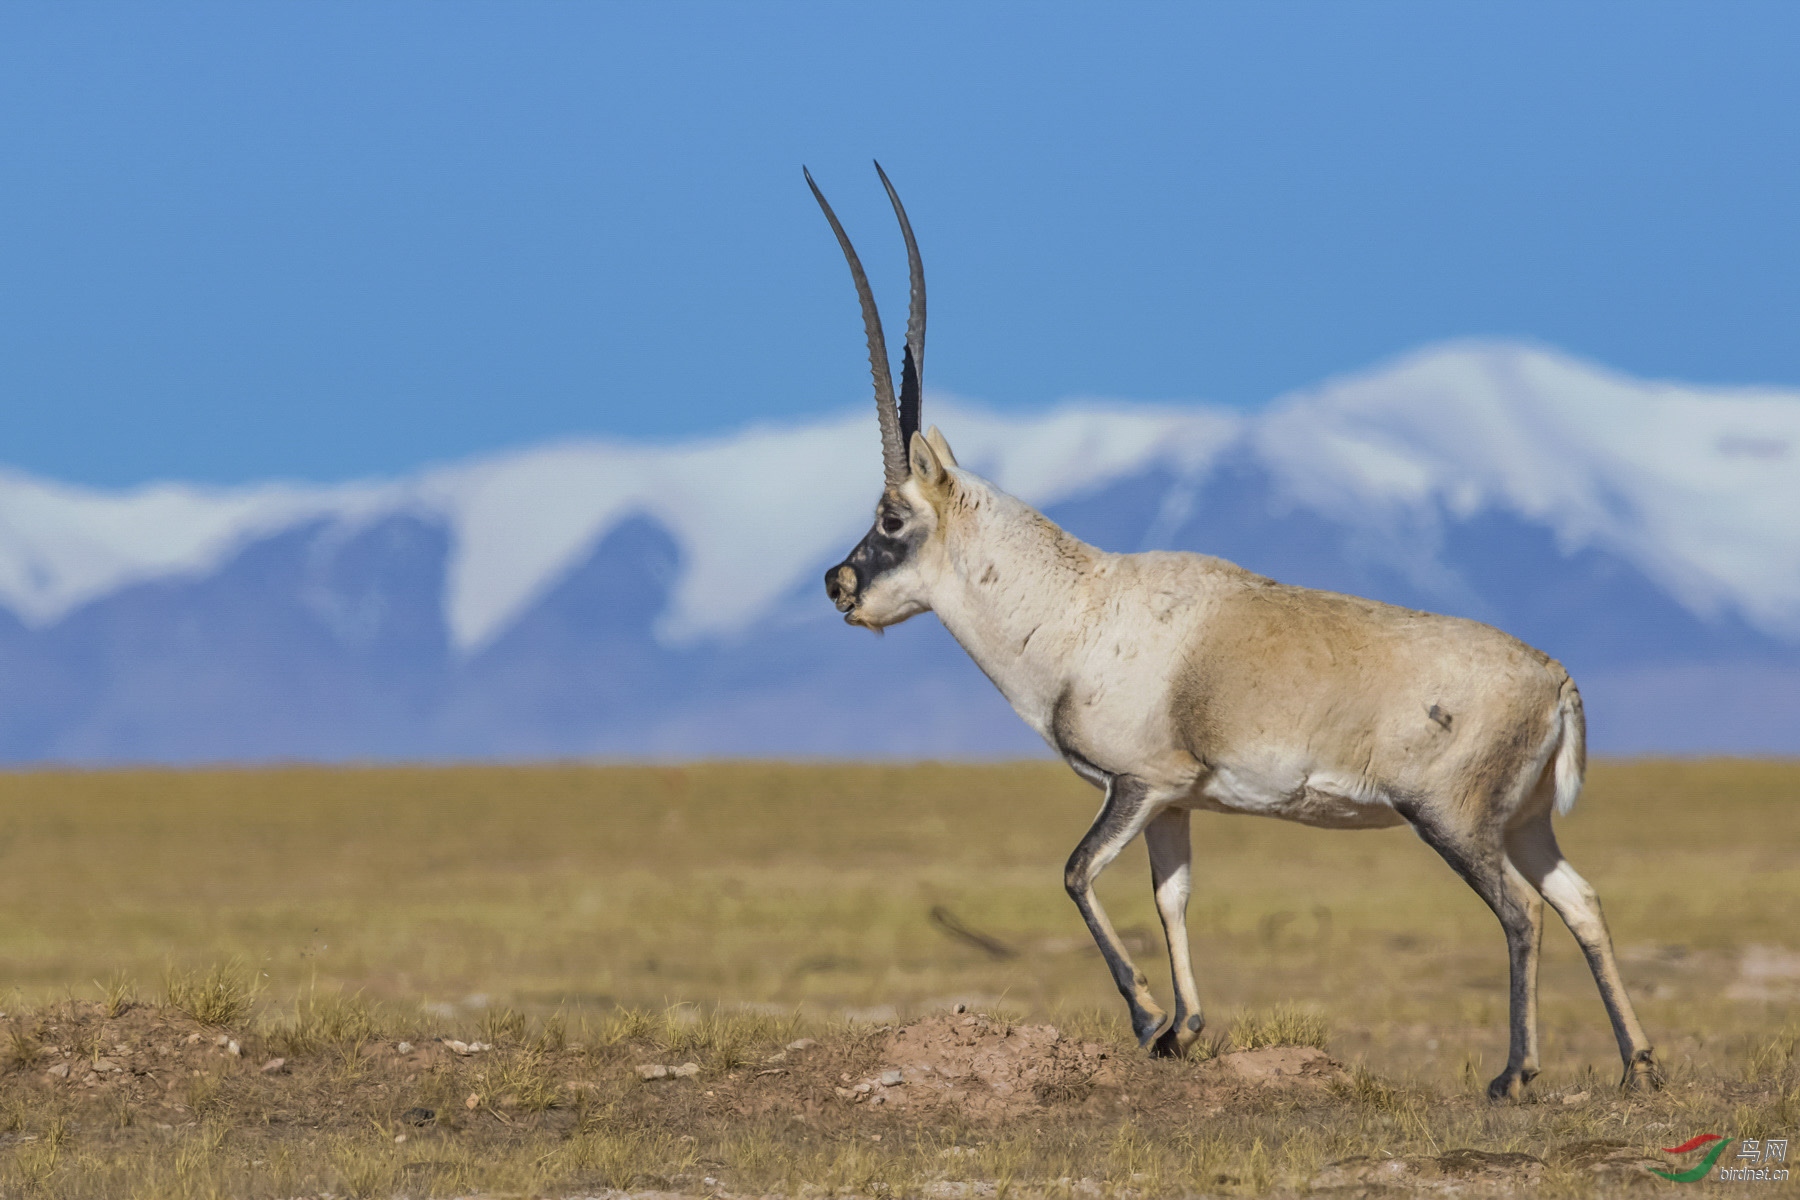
(596, 598)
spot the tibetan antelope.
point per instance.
(1176, 681)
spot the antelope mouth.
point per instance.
(840, 586)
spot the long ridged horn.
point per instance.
(893, 449)
(912, 368)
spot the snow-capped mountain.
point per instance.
(596, 598)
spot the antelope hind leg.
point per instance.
(1485, 869)
(1533, 848)
(1171, 854)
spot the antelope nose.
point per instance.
(840, 585)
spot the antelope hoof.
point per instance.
(1508, 1086)
(1178, 1037)
(1642, 1074)
(1147, 1023)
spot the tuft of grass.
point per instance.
(35, 1164)
(553, 1034)
(503, 1026)
(721, 1039)
(366, 1168)
(628, 1025)
(220, 995)
(1205, 1162)
(325, 1020)
(23, 1048)
(118, 994)
(616, 1158)
(1368, 1090)
(1773, 1058)
(197, 1159)
(526, 1081)
(1283, 1025)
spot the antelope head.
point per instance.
(886, 578)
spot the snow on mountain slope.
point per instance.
(1697, 488)
(63, 546)
(753, 513)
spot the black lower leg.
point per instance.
(1485, 874)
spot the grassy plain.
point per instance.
(718, 911)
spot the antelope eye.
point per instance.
(892, 524)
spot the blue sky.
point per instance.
(322, 241)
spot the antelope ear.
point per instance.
(941, 446)
(926, 467)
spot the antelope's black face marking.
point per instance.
(892, 540)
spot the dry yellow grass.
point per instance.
(539, 907)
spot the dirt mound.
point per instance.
(993, 1068)
(1278, 1067)
(983, 1066)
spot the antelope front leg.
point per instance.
(1122, 817)
(1171, 852)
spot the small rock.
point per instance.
(466, 1048)
(1574, 1097)
(650, 1071)
(193, 1039)
(419, 1116)
(233, 1049)
(404, 1048)
(473, 1101)
(59, 1071)
(398, 1138)
(891, 1078)
(272, 1066)
(801, 1044)
(959, 1008)
(685, 1071)
(104, 1065)
(863, 1089)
